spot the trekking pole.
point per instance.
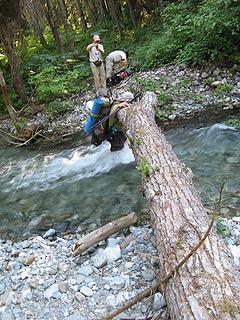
(108, 116)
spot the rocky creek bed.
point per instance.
(39, 278)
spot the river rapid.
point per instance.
(85, 186)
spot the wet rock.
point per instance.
(49, 233)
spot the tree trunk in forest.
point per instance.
(116, 13)
(207, 285)
(6, 99)
(92, 10)
(131, 11)
(103, 10)
(67, 27)
(50, 13)
(81, 15)
(34, 15)
(7, 39)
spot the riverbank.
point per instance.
(186, 95)
(40, 279)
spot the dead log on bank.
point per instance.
(207, 285)
(104, 232)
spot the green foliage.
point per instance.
(221, 227)
(57, 107)
(144, 167)
(223, 89)
(55, 76)
(193, 32)
(233, 123)
(21, 124)
(138, 141)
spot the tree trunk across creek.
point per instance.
(207, 285)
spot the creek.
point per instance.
(85, 186)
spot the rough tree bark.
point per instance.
(67, 26)
(53, 23)
(6, 99)
(207, 286)
(8, 41)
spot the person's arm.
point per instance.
(100, 48)
(89, 47)
(120, 105)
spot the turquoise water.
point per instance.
(86, 185)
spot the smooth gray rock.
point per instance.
(148, 275)
(85, 270)
(49, 233)
(100, 259)
(52, 292)
(158, 301)
(87, 292)
(113, 253)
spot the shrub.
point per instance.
(57, 107)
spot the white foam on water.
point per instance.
(67, 166)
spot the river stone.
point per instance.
(204, 75)
(113, 253)
(85, 270)
(5, 315)
(233, 160)
(29, 260)
(112, 242)
(52, 292)
(2, 288)
(75, 317)
(63, 287)
(49, 233)
(236, 253)
(215, 84)
(172, 117)
(236, 219)
(148, 275)
(87, 292)
(117, 282)
(79, 296)
(100, 259)
(158, 301)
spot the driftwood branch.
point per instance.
(104, 232)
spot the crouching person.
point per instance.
(116, 135)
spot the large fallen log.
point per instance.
(207, 286)
(103, 232)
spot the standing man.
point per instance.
(115, 61)
(95, 50)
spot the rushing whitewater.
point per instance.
(66, 166)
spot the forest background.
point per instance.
(43, 42)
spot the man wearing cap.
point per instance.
(115, 61)
(95, 51)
